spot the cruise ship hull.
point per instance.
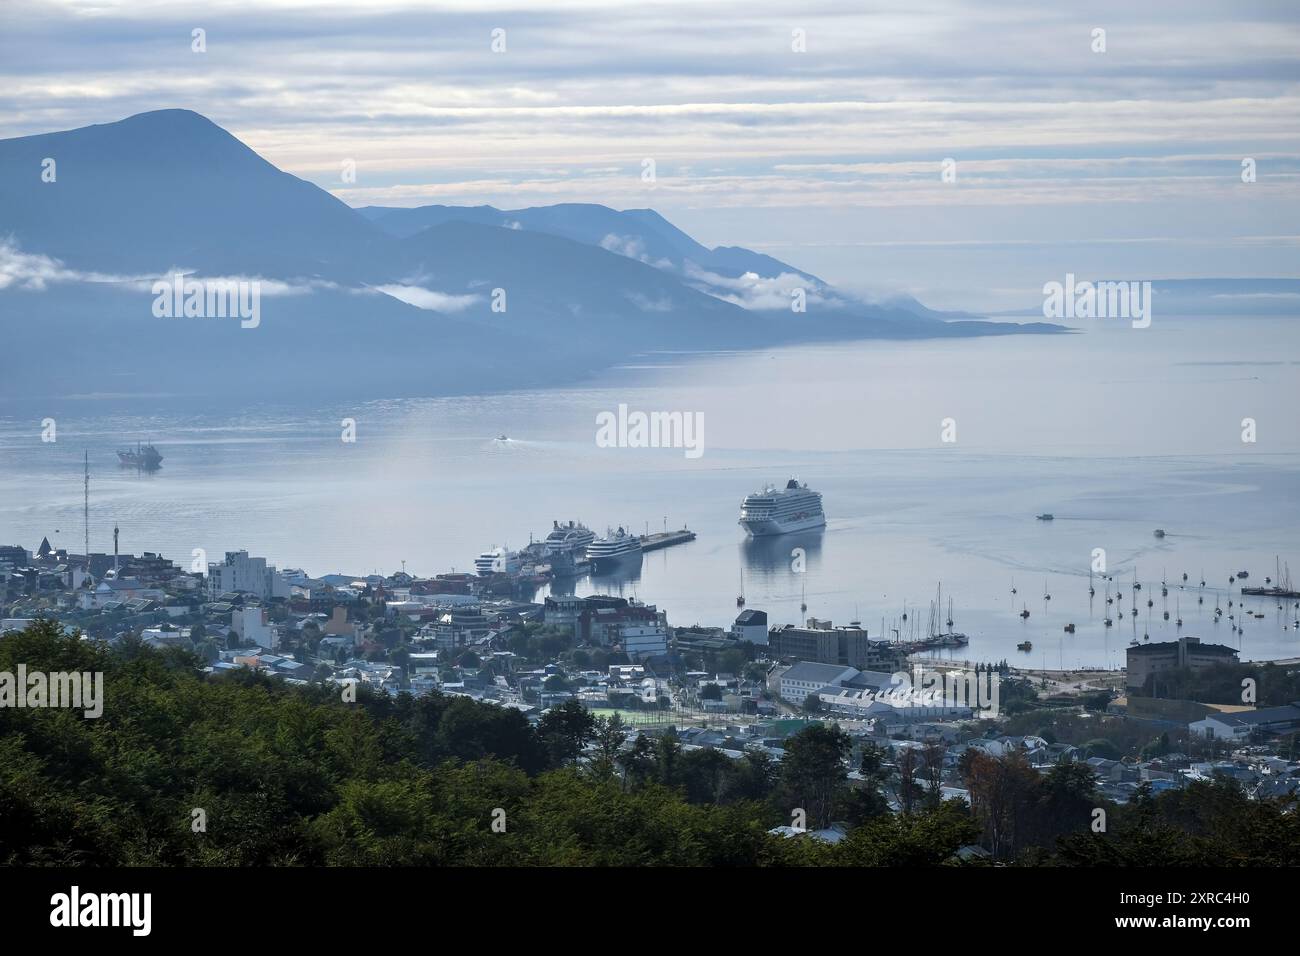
(765, 527)
(611, 562)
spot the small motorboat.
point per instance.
(1046, 516)
(1025, 646)
(1160, 532)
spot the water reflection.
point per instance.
(780, 552)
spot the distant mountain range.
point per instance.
(375, 302)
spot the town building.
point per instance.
(809, 677)
(640, 641)
(248, 575)
(751, 626)
(254, 627)
(1240, 725)
(824, 643)
(1146, 662)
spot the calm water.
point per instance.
(1116, 431)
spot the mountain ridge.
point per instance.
(169, 190)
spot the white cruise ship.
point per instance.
(780, 511)
(568, 538)
(498, 561)
(614, 549)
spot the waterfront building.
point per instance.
(1146, 662)
(824, 643)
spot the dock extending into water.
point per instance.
(1271, 592)
(665, 539)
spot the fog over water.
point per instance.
(1116, 431)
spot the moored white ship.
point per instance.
(498, 561)
(569, 538)
(613, 550)
(781, 511)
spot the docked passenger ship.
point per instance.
(780, 511)
(614, 549)
(568, 538)
(498, 561)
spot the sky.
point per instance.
(815, 132)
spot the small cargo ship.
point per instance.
(144, 456)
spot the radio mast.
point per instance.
(86, 513)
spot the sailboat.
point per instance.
(740, 599)
(803, 600)
(951, 638)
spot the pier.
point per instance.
(665, 539)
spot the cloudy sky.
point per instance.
(1126, 162)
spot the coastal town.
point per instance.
(737, 687)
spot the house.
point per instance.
(338, 625)
(335, 648)
(166, 637)
(832, 834)
(118, 591)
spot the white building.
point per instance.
(1241, 724)
(254, 628)
(249, 575)
(643, 640)
(807, 677)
